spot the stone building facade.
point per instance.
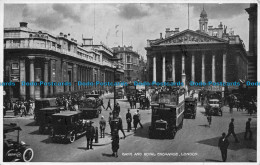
(207, 54)
(130, 62)
(35, 56)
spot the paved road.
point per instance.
(195, 142)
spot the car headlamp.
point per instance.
(23, 143)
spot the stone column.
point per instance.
(154, 68)
(183, 64)
(193, 67)
(163, 69)
(173, 68)
(203, 67)
(31, 59)
(213, 67)
(224, 66)
(22, 78)
(46, 76)
(74, 86)
(65, 75)
(52, 74)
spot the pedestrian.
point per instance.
(135, 120)
(102, 103)
(209, 117)
(134, 102)
(141, 103)
(231, 103)
(108, 105)
(90, 134)
(109, 120)
(139, 118)
(248, 130)
(118, 108)
(129, 120)
(144, 103)
(231, 130)
(131, 102)
(117, 125)
(23, 109)
(223, 146)
(31, 112)
(102, 126)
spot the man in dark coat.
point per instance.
(102, 126)
(90, 134)
(128, 120)
(231, 130)
(248, 130)
(223, 146)
(116, 125)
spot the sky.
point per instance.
(128, 23)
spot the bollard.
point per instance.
(96, 137)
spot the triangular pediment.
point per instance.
(189, 37)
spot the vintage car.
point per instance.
(49, 103)
(14, 149)
(190, 108)
(67, 126)
(90, 107)
(213, 107)
(45, 118)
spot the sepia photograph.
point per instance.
(129, 82)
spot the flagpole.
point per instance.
(188, 16)
(122, 38)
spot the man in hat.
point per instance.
(90, 134)
(102, 125)
(231, 130)
(248, 130)
(116, 125)
(139, 117)
(223, 146)
(128, 120)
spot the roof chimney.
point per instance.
(65, 36)
(160, 35)
(61, 34)
(176, 29)
(23, 24)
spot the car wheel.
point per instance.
(72, 138)
(28, 155)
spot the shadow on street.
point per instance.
(234, 146)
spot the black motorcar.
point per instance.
(14, 149)
(45, 118)
(190, 108)
(67, 126)
(45, 103)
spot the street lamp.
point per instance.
(115, 59)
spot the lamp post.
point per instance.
(115, 59)
(145, 80)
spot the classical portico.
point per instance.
(197, 55)
(207, 54)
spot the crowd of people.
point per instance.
(143, 101)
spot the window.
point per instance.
(128, 59)
(15, 66)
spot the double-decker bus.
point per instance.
(167, 113)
